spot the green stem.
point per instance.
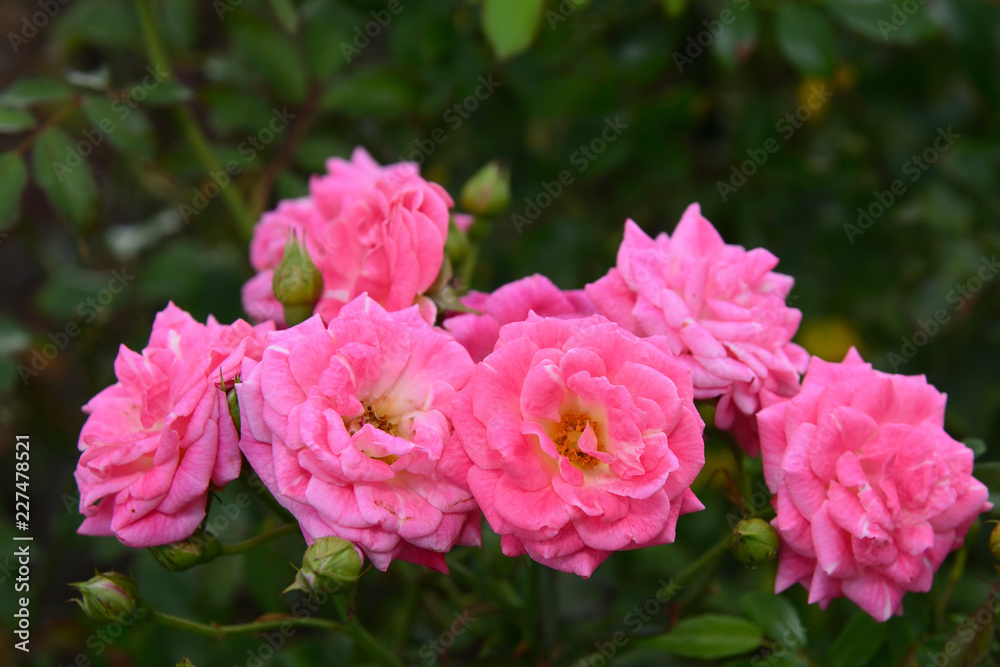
(353, 628)
(741, 470)
(257, 540)
(216, 630)
(158, 58)
(692, 569)
(371, 645)
(953, 577)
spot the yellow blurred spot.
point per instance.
(812, 94)
(844, 77)
(829, 338)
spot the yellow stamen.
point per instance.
(567, 439)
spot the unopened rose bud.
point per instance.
(108, 597)
(329, 565)
(200, 548)
(297, 283)
(754, 542)
(487, 192)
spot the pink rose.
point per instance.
(721, 309)
(367, 228)
(158, 437)
(583, 439)
(347, 425)
(512, 303)
(871, 493)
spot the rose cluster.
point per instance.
(566, 418)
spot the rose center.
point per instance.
(567, 439)
(370, 416)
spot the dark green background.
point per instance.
(892, 91)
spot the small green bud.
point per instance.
(330, 564)
(754, 542)
(201, 547)
(297, 283)
(185, 663)
(108, 597)
(487, 192)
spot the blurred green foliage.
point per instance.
(114, 147)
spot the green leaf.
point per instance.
(776, 616)
(13, 178)
(806, 39)
(167, 92)
(178, 22)
(286, 14)
(709, 636)
(13, 121)
(107, 23)
(977, 446)
(328, 33)
(65, 177)
(275, 57)
(883, 20)
(25, 93)
(372, 92)
(126, 128)
(858, 642)
(511, 25)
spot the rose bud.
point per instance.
(108, 597)
(329, 565)
(200, 548)
(754, 542)
(297, 283)
(488, 191)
